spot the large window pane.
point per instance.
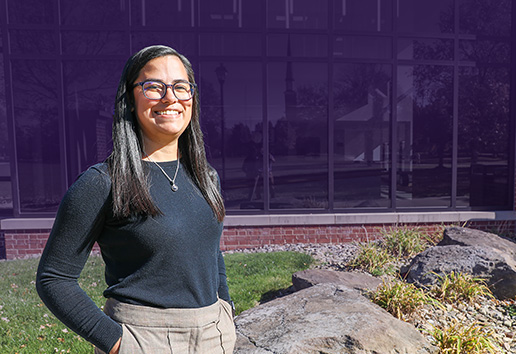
(362, 134)
(485, 17)
(231, 116)
(425, 49)
(6, 197)
(425, 16)
(94, 12)
(363, 15)
(230, 44)
(90, 88)
(362, 47)
(170, 13)
(304, 45)
(37, 134)
(424, 127)
(31, 12)
(231, 13)
(297, 109)
(298, 14)
(33, 42)
(184, 43)
(94, 43)
(483, 174)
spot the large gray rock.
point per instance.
(360, 281)
(325, 318)
(480, 254)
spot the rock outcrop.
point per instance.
(360, 281)
(325, 318)
(481, 254)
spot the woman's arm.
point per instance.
(78, 223)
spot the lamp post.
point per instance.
(221, 73)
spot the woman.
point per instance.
(155, 209)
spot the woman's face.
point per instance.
(162, 121)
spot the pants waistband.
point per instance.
(158, 317)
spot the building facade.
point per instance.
(344, 113)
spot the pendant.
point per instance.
(173, 187)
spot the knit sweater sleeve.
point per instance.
(78, 223)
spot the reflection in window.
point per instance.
(361, 134)
(34, 42)
(184, 43)
(485, 51)
(424, 123)
(31, 12)
(230, 44)
(94, 12)
(170, 13)
(363, 15)
(6, 196)
(304, 45)
(425, 49)
(94, 43)
(90, 88)
(425, 16)
(362, 47)
(483, 170)
(230, 13)
(485, 18)
(231, 117)
(298, 14)
(298, 135)
(37, 134)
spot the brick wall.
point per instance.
(30, 243)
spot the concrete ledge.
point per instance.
(312, 219)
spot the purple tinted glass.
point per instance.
(6, 196)
(425, 49)
(362, 47)
(483, 171)
(184, 43)
(362, 119)
(230, 44)
(363, 15)
(297, 110)
(94, 13)
(303, 45)
(230, 14)
(38, 42)
(485, 18)
(94, 42)
(297, 14)
(435, 17)
(32, 12)
(424, 130)
(38, 134)
(231, 116)
(162, 14)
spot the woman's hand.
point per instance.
(116, 347)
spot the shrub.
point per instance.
(455, 287)
(372, 258)
(459, 339)
(405, 242)
(400, 299)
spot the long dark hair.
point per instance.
(131, 195)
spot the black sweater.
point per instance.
(168, 261)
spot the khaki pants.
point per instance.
(149, 330)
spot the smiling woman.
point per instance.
(164, 268)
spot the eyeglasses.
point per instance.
(156, 90)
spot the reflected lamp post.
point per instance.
(221, 73)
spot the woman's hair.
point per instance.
(130, 188)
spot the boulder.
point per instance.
(480, 254)
(360, 281)
(325, 318)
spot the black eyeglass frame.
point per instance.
(193, 87)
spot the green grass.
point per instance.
(28, 327)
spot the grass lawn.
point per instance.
(27, 326)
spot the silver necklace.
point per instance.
(172, 181)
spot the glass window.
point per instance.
(89, 93)
(94, 13)
(37, 135)
(425, 16)
(362, 47)
(363, 15)
(170, 13)
(230, 44)
(31, 12)
(33, 42)
(361, 135)
(231, 13)
(94, 43)
(484, 125)
(485, 51)
(485, 18)
(424, 128)
(298, 14)
(297, 45)
(425, 49)
(297, 108)
(6, 196)
(184, 43)
(231, 117)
